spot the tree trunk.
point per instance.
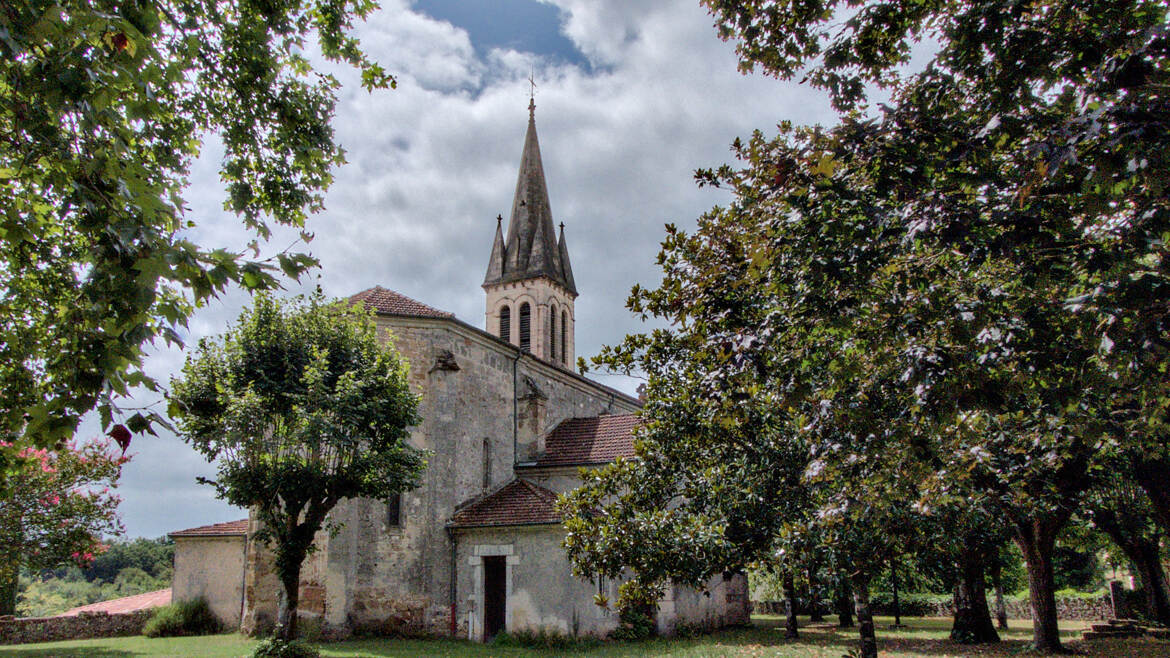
(844, 605)
(8, 589)
(814, 602)
(790, 632)
(1150, 474)
(1146, 560)
(1036, 540)
(1000, 609)
(972, 623)
(286, 614)
(868, 641)
(1129, 533)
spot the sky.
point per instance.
(631, 97)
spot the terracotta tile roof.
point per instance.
(595, 440)
(229, 529)
(392, 303)
(125, 604)
(518, 503)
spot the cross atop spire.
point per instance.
(531, 249)
(532, 96)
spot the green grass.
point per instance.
(922, 637)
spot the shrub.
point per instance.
(910, 604)
(274, 647)
(637, 605)
(193, 617)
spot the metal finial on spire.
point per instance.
(499, 219)
(532, 95)
(562, 227)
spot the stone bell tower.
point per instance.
(529, 282)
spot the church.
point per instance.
(476, 549)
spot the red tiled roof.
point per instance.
(125, 604)
(229, 529)
(518, 503)
(392, 303)
(595, 440)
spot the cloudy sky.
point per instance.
(632, 96)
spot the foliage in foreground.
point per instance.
(300, 406)
(277, 647)
(192, 617)
(105, 105)
(931, 327)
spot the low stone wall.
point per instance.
(22, 630)
(1071, 608)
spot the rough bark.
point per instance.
(1000, 609)
(1153, 579)
(8, 588)
(972, 624)
(1150, 474)
(897, 603)
(1036, 540)
(815, 614)
(790, 628)
(844, 605)
(865, 631)
(1131, 535)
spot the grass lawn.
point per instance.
(921, 637)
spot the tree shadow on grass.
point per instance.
(83, 652)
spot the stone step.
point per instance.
(1098, 635)
(1159, 633)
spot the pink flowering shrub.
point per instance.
(60, 505)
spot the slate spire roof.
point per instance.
(531, 249)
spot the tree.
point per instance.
(302, 407)
(103, 107)
(1117, 509)
(58, 512)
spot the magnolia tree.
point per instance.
(301, 406)
(60, 506)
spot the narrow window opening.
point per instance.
(525, 325)
(394, 511)
(487, 463)
(506, 323)
(564, 332)
(552, 334)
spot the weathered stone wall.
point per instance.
(542, 593)
(1067, 608)
(23, 630)
(725, 603)
(372, 576)
(212, 568)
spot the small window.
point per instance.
(506, 323)
(394, 511)
(564, 331)
(552, 334)
(487, 463)
(525, 326)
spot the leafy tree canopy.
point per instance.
(301, 406)
(103, 107)
(956, 296)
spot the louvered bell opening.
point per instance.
(525, 327)
(506, 323)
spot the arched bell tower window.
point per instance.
(506, 323)
(564, 332)
(552, 334)
(525, 326)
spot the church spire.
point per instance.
(531, 249)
